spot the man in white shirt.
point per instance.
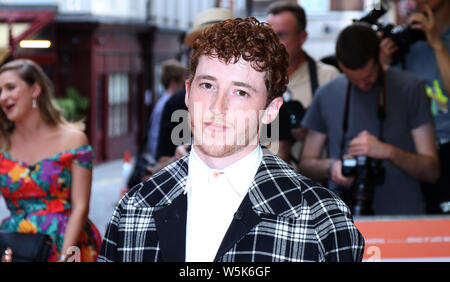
(230, 199)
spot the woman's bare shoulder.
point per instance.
(73, 138)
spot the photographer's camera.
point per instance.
(402, 35)
(368, 173)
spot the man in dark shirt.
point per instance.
(166, 148)
(379, 113)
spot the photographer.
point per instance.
(289, 21)
(430, 61)
(382, 114)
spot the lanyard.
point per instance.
(381, 107)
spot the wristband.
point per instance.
(330, 167)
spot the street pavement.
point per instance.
(106, 187)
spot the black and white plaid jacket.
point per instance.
(283, 217)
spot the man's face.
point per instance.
(285, 26)
(364, 78)
(227, 103)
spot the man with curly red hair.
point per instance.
(230, 199)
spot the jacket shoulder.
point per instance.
(283, 191)
(322, 202)
(161, 189)
(279, 190)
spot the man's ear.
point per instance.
(187, 86)
(272, 110)
(304, 36)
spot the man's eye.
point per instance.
(242, 93)
(206, 85)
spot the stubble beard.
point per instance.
(219, 145)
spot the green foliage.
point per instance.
(73, 106)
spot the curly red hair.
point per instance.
(251, 40)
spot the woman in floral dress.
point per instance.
(45, 165)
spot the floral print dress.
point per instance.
(38, 197)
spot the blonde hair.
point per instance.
(31, 73)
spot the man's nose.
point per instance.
(219, 104)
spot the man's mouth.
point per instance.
(214, 125)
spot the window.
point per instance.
(119, 100)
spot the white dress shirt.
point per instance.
(213, 197)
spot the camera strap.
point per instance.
(381, 107)
(312, 70)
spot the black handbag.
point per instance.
(26, 247)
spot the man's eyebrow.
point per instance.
(246, 85)
(236, 83)
(206, 77)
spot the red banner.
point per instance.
(426, 239)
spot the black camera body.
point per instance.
(296, 112)
(368, 173)
(402, 35)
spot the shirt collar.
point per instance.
(239, 179)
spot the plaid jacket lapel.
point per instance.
(166, 196)
(170, 224)
(265, 196)
(244, 220)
